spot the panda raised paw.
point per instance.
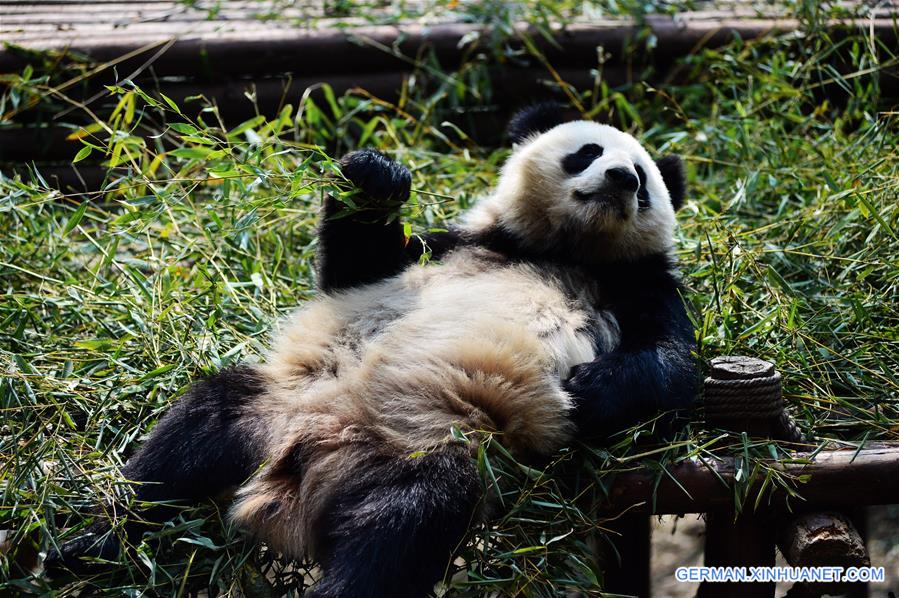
(383, 182)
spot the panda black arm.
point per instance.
(367, 245)
(653, 367)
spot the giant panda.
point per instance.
(550, 312)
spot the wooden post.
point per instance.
(747, 541)
(631, 535)
(742, 394)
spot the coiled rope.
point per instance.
(745, 388)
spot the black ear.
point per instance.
(538, 118)
(672, 169)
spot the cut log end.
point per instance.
(821, 539)
(740, 367)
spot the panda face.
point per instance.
(587, 187)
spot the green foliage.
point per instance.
(203, 235)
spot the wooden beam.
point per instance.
(838, 478)
(275, 48)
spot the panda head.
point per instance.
(582, 188)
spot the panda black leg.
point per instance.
(98, 541)
(202, 447)
(391, 532)
(205, 444)
(367, 245)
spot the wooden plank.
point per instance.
(237, 10)
(128, 17)
(42, 34)
(279, 49)
(82, 29)
(80, 2)
(100, 10)
(113, 6)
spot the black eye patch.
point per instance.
(643, 192)
(581, 159)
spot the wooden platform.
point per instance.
(57, 24)
(217, 42)
(269, 35)
(220, 47)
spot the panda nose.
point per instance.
(623, 178)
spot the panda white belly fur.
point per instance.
(474, 342)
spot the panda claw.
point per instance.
(384, 182)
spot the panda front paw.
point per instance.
(80, 555)
(384, 183)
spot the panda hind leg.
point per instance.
(206, 444)
(202, 447)
(391, 531)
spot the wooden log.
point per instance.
(838, 478)
(824, 538)
(323, 50)
(742, 394)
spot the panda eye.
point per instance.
(643, 192)
(581, 159)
